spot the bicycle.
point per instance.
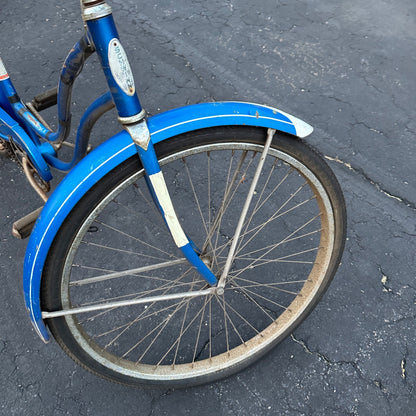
(181, 277)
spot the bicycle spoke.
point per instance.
(164, 322)
(208, 298)
(209, 187)
(250, 253)
(136, 295)
(272, 192)
(244, 320)
(228, 194)
(283, 259)
(230, 198)
(195, 196)
(160, 224)
(217, 218)
(132, 272)
(277, 214)
(119, 250)
(225, 322)
(210, 330)
(256, 230)
(236, 286)
(253, 283)
(227, 317)
(251, 265)
(258, 204)
(168, 286)
(135, 239)
(247, 291)
(181, 330)
(220, 249)
(125, 327)
(179, 338)
(145, 314)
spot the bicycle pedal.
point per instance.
(24, 226)
(45, 99)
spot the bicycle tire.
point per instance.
(208, 174)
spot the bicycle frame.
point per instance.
(138, 137)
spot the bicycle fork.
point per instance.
(101, 27)
(157, 186)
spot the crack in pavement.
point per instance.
(154, 399)
(200, 62)
(197, 61)
(378, 383)
(378, 186)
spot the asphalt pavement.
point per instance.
(348, 69)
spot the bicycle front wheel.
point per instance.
(114, 250)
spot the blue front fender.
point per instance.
(115, 151)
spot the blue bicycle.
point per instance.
(182, 248)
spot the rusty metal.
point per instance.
(40, 187)
(32, 108)
(23, 227)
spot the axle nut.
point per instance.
(220, 291)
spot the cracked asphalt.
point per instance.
(347, 68)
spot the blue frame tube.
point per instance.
(152, 169)
(31, 122)
(72, 67)
(70, 70)
(104, 34)
(34, 128)
(4, 100)
(18, 110)
(100, 106)
(9, 127)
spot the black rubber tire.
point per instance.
(51, 279)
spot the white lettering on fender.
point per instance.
(120, 67)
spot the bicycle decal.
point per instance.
(120, 67)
